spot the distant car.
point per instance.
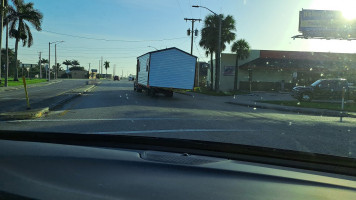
(131, 78)
(116, 78)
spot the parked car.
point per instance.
(325, 89)
(116, 78)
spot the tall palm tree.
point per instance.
(106, 65)
(210, 33)
(17, 17)
(206, 43)
(3, 10)
(75, 63)
(67, 63)
(242, 50)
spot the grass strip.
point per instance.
(11, 82)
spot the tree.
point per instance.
(44, 61)
(57, 68)
(75, 63)
(18, 16)
(3, 58)
(242, 50)
(106, 65)
(206, 43)
(210, 34)
(67, 63)
(2, 14)
(77, 68)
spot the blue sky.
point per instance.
(121, 30)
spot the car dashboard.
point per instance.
(39, 170)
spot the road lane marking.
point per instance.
(176, 131)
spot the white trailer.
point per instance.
(164, 70)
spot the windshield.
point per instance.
(221, 71)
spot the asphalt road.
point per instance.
(114, 108)
(16, 99)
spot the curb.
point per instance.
(30, 114)
(323, 112)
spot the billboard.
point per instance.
(326, 24)
(229, 71)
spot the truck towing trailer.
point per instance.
(164, 70)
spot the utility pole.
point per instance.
(49, 61)
(7, 54)
(192, 32)
(40, 64)
(89, 72)
(101, 65)
(99, 68)
(55, 62)
(122, 73)
(114, 72)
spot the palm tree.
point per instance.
(210, 33)
(75, 63)
(242, 50)
(67, 63)
(106, 65)
(206, 43)
(2, 14)
(18, 16)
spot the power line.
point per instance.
(110, 40)
(196, 46)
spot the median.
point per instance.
(348, 106)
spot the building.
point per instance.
(281, 70)
(75, 74)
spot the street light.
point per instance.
(219, 48)
(49, 57)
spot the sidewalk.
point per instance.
(40, 108)
(252, 100)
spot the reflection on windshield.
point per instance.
(316, 83)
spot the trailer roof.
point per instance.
(166, 50)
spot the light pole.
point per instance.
(219, 49)
(49, 58)
(1, 29)
(55, 58)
